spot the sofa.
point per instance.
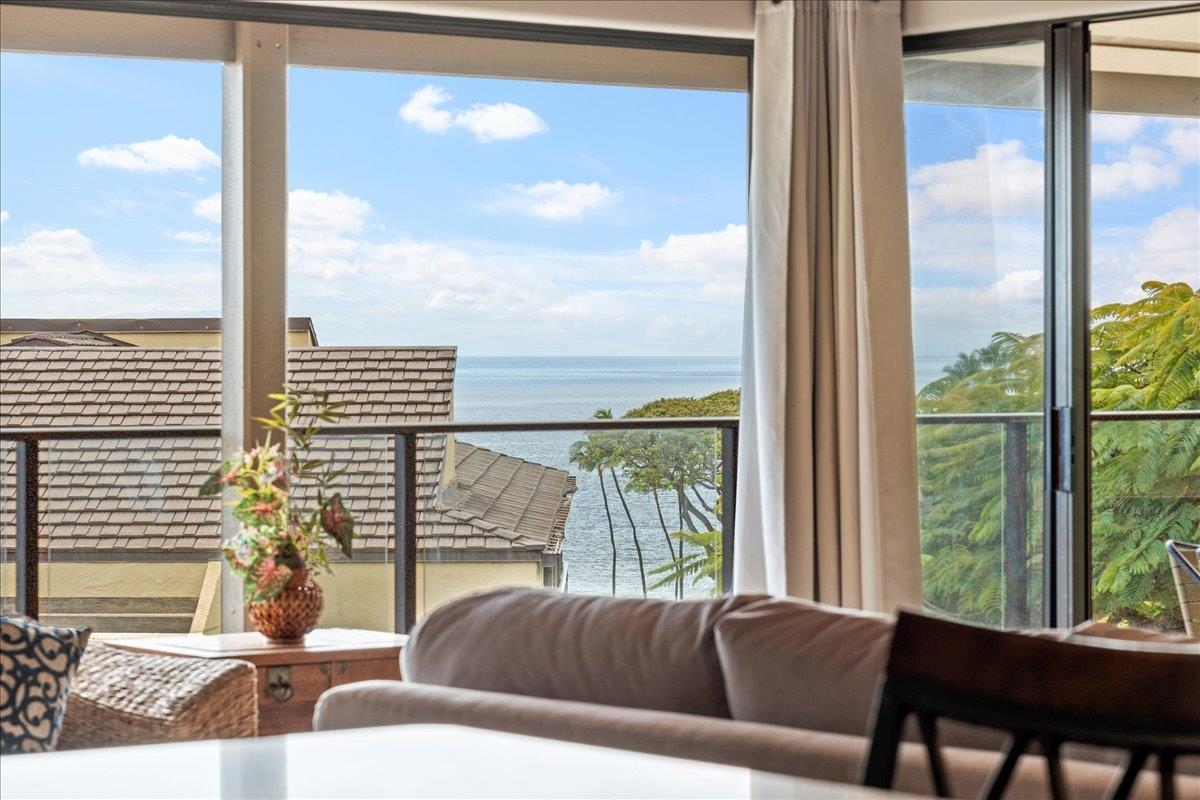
(777, 685)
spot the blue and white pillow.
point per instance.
(37, 668)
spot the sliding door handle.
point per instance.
(1061, 442)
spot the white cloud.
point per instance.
(59, 272)
(489, 122)
(1170, 248)
(500, 122)
(999, 179)
(168, 154)
(422, 109)
(1183, 137)
(333, 211)
(1142, 170)
(191, 237)
(700, 253)
(208, 208)
(1116, 128)
(3, 216)
(555, 200)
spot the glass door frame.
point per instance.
(1067, 411)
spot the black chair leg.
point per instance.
(1166, 774)
(997, 782)
(1124, 785)
(880, 768)
(1054, 772)
(937, 769)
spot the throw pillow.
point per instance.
(37, 667)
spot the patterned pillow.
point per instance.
(37, 667)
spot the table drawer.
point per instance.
(367, 669)
(287, 695)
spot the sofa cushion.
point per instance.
(652, 654)
(802, 664)
(808, 665)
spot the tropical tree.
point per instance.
(593, 454)
(685, 466)
(1145, 475)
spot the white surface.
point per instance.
(404, 761)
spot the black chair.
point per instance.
(1142, 699)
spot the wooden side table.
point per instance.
(290, 676)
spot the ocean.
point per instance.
(495, 389)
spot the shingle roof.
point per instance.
(141, 494)
(82, 338)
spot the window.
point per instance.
(498, 250)
(110, 303)
(1145, 194)
(1111, 470)
(975, 128)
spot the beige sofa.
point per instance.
(776, 685)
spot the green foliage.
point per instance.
(1145, 475)
(683, 465)
(278, 534)
(702, 562)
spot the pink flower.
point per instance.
(230, 477)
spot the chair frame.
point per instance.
(1183, 568)
(900, 697)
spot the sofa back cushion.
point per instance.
(807, 665)
(652, 654)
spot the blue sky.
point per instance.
(526, 218)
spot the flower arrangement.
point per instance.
(282, 537)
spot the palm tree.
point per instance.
(704, 561)
(613, 446)
(590, 455)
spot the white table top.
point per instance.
(403, 761)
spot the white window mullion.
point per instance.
(253, 250)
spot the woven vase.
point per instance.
(293, 614)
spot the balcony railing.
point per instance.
(28, 443)
(1015, 497)
(1015, 494)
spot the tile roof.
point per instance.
(140, 494)
(80, 338)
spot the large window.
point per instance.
(110, 302)
(474, 229)
(490, 250)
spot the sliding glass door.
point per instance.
(976, 132)
(1054, 201)
(1145, 311)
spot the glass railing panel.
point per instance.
(982, 517)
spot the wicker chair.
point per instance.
(1185, 566)
(123, 698)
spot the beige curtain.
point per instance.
(827, 495)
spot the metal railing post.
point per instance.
(404, 489)
(27, 528)
(729, 457)
(1014, 556)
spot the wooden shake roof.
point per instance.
(140, 494)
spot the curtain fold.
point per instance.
(827, 493)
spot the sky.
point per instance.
(527, 218)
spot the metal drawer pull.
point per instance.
(279, 684)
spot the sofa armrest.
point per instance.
(769, 748)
